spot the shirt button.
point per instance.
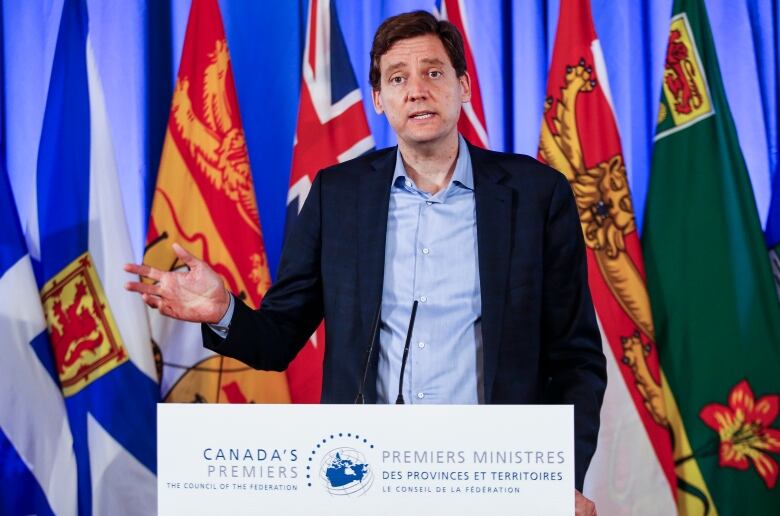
(429, 203)
(420, 395)
(423, 299)
(408, 184)
(426, 250)
(421, 344)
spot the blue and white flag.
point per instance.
(99, 333)
(37, 464)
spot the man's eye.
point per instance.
(434, 74)
(396, 80)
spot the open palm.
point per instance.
(196, 295)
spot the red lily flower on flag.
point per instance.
(744, 431)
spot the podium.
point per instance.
(365, 459)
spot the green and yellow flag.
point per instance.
(716, 314)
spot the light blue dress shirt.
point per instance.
(431, 256)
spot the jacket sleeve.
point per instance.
(269, 338)
(572, 360)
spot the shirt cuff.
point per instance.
(221, 328)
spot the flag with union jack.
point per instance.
(332, 128)
(472, 118)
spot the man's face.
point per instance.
(420, 93)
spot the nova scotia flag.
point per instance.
(37, 463)
(99, 334)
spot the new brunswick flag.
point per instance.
(205, 201)
(632, 471)
(716, 312)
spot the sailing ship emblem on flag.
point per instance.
(83, 333)
(686, 97)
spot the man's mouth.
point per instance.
(421, 115)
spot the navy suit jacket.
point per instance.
(541, 343)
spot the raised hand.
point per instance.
(196, 295)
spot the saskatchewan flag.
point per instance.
(716, 314)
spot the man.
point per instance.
(488, 244)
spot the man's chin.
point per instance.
(426, 138)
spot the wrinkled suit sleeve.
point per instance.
(269, 338)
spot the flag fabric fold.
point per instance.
(205, 201)
(472, 123)
(773, 233)
(714, 305)
(37, 464)
(99, 334)
(332, 128)
(632, 469)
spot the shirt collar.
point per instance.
(463, 174)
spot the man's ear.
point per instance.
(465, 87)
(377, 101)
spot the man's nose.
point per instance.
(418, 90)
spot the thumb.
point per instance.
(189, 260)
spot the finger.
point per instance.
(147, 271)
(184, 256)
(143, 288)
(167, 309)
(152, 301)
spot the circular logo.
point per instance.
(345, 471)
(342, 464)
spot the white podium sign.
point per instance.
(365, 459)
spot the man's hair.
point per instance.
(411, 25)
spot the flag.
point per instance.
(472, 118)
(632, 470)
(714, 305)
(332, 128)
(99, 333)
(37, 464)
(773, 233)
(205, 200)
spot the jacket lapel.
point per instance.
(494, 230)
(372, 212)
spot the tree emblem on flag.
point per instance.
(744, 431)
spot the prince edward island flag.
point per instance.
(716, 314)
(99, 334)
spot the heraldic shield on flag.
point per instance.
(714, 300)
(82, 329)
(99, 335)
(205, 201)
(579, 138)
